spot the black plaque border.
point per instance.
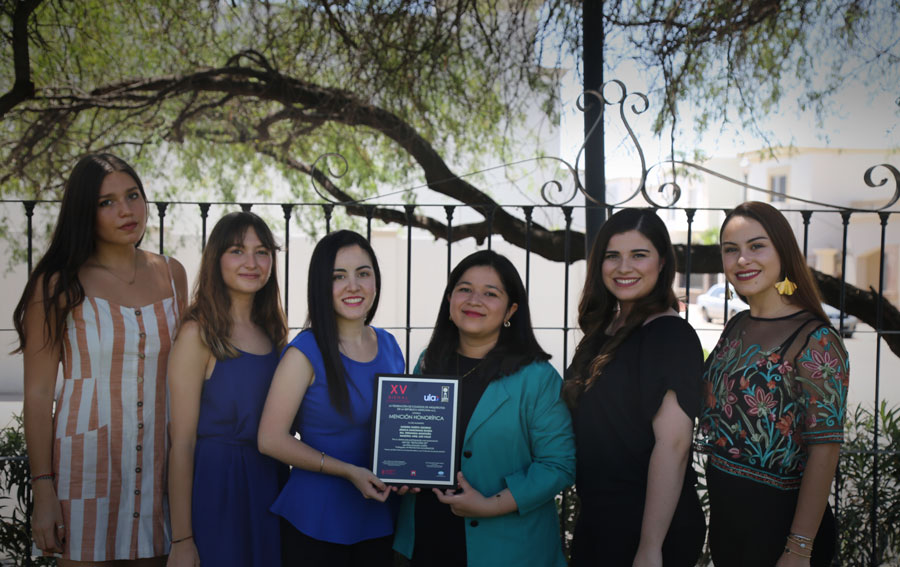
(454, 427)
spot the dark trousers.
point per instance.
(300, 550)
(749, 523)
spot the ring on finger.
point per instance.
(60, 526)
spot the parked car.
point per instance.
(712, 306)
(712, 303)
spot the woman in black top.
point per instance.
(634, 391)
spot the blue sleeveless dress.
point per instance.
(234, 484)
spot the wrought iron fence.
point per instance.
(562, 332)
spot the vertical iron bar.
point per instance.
(448, 211)
(204, 213)
(687, 262)
(727, 287)
(161, 208)
(806, 216)
(29, 213)
(845, 218)
(593, 39)
(529, 210)
(409, 214)
(370, 211)
(287, 208)
(490, 209)
(567, 213)
(328, 210)
(879, 324)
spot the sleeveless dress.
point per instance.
(323, 506)
(234, 484)
(110, 429)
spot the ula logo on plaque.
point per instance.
(414, 442)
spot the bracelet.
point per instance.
(322, 462)
(789, 550)
(45, 476)
(800, 541)
(800, 538)
(174, 541)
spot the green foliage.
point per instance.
(454, 72)
(855, 482)
(15, 498)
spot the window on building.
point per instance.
(778, 186)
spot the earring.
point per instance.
(728, 294)
(786, 286)
(506, 323)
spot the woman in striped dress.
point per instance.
(107, 311)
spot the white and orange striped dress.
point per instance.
(111, 442)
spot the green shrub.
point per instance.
(15, 499)
(855, 483)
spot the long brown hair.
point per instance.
(72, 243)
(793, 264)
(211, 304)
(599, 306)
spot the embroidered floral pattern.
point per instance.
(762, 410)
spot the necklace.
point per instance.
(471, 370)
(117, 276)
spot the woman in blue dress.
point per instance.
(220, 368)
(323, 389)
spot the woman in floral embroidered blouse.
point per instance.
(775, 400)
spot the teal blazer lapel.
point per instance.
(495, 395)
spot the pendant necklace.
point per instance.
(117, 276)
(471, 370)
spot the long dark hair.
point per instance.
(71, 245)
(598, 305)
(320, 303)
(516, 346)
(793, 264)
(211, 304)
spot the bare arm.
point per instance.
(292, 378)
(189, 364)
(665, 476)
(814, 489)
(41, 359)
(180, 277)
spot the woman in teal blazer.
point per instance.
(518, 450)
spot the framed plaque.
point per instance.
(414, 431)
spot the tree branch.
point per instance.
(23, 87)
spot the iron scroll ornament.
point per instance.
(867, 178)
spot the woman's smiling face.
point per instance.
(631, 266)
(749, 259)
(479, 304)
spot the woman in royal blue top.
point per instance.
(323, 388)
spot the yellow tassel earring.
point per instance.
(728, 294)
(786, 286)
